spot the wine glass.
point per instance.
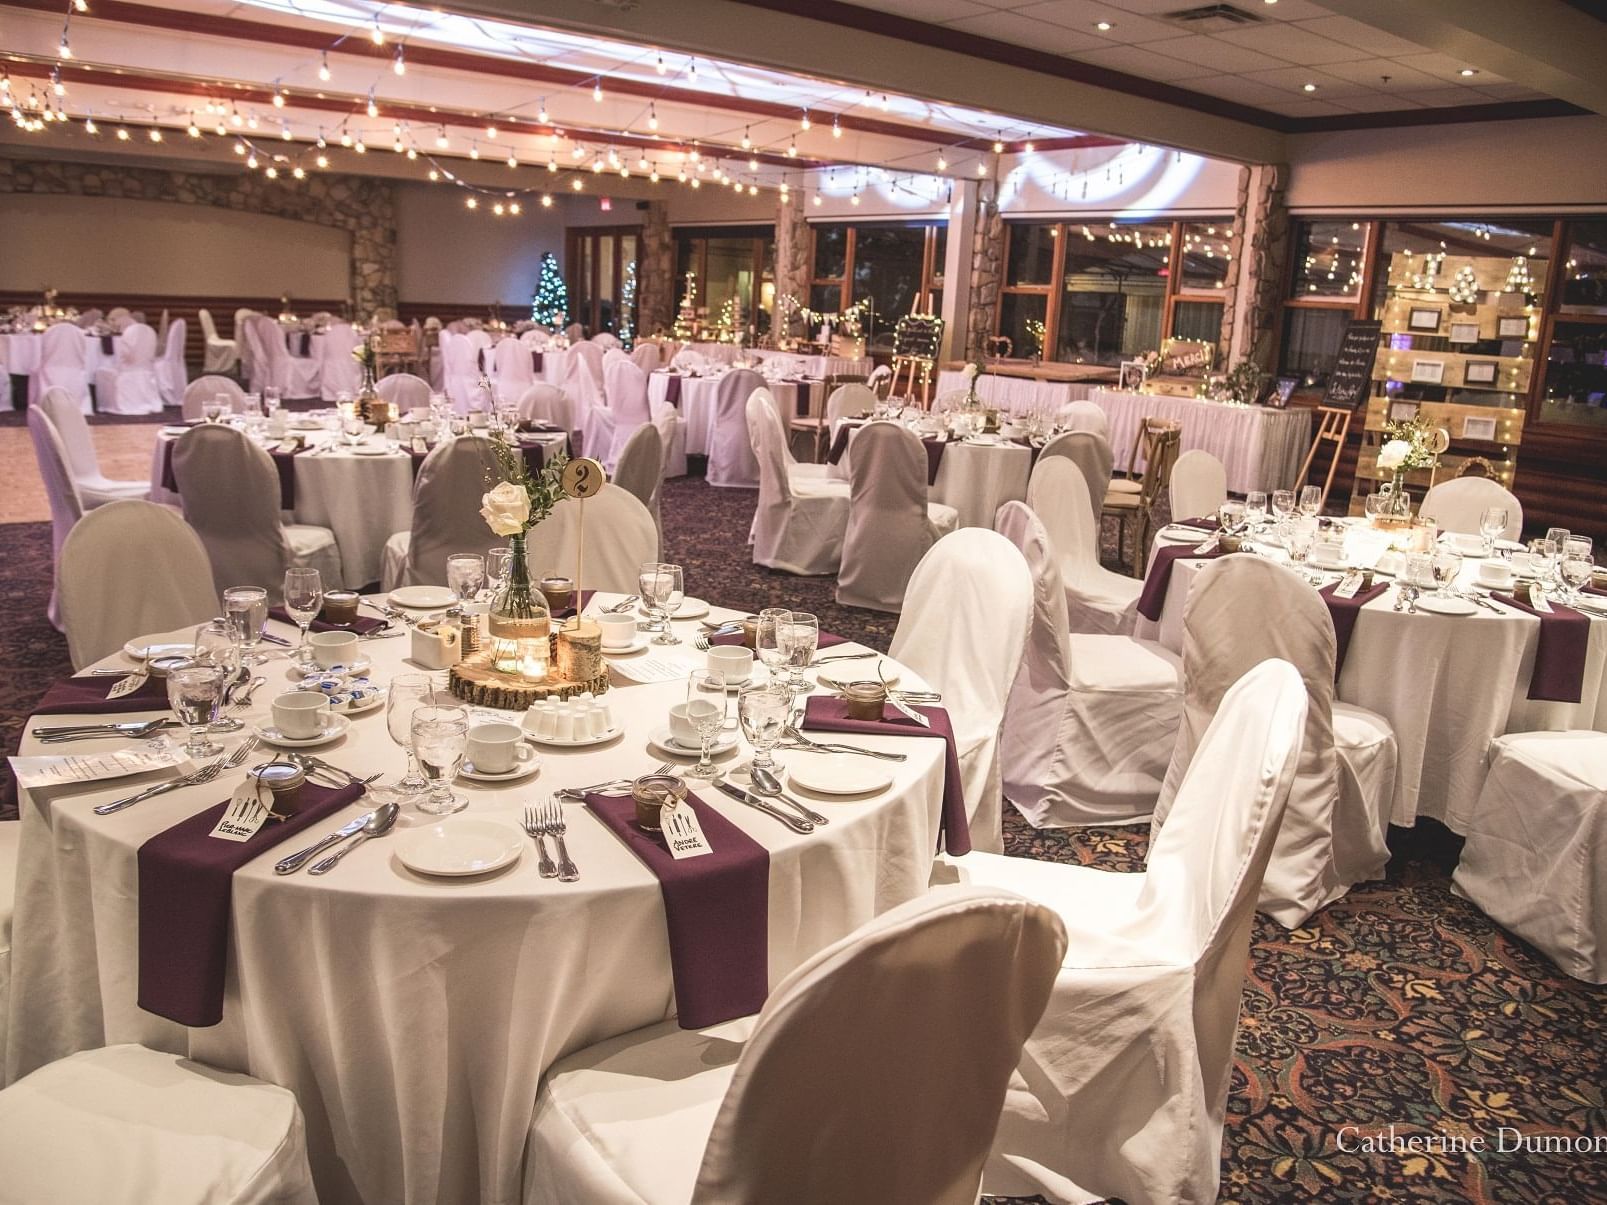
(1310, 501)
(408, 692)
(801, 635)
(762, 710)
(1445, 565)
(707, 706)
(1543, 555)
(671, 600)
(270, 399)
(1230, 515)
(1297, 540)
(304, 597)
(465, 575)
(652, 583)
(1559, 538)
(498, 565)
(1492, 522)
(195, 692)
(1283, 504)
(245, 610)
(440, 736)
(1576, 565)
(1255, 508)
(769, 639)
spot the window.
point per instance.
(598, 257)
(735, 273)
(1584, 272)
(1328, 259)
(894, 267)
(1576, 374)
(1326, 284)
(1207, 257)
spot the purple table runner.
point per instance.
(87, 696)
(535, 361)
(362, 625)
(1559, 657)
(716, 907)
(1159, 578)
(672, 390)
(1343, 612)
(185, 887)
(824, 713)
(535, 454)
(108, 345)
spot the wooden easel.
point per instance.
(1333, 426)
(909, 366)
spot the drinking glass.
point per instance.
(1418, 570)
(1374, 504)
(1255, 507)
(1283, 503)
(652, 583)
(1230, 515)
(194, 692)
(440, 736)
(762, 709)
(769, 639)
(1445, 565)
(1298, 539)
(1544, 555)
(304, 596)
(707, 706)
(1576, 565)
(498, 564)
(671, 602)
(353, 430)
(408, 692)
(465, 575)
(245, 610)
(1310, 501)
(214, 410)
(270, 399)
(1492, 522)
(801, 635)
(1558, 537)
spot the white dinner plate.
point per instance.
(529, 765)
(837, 773)
(175, 432)
(335, 726)
(690, 608)
(161, 644)
(425, 598)
(637, 644)
(462, 846)
(574, 744)
(1446, 606)
(357, 669)
(665, 743)
(369, 450)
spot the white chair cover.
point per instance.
(338, 372)
(891, 523)
(515, 370)
(10, 834)
(1090, 452)
(592, 355)
(63, 359)
(731, 459)
(124, 1125)
(461, 374)
(827, 1100)
(1085, 416)
(5, 381)
(93, 488)
(1242, 610)
(118, 317)
(546, 404)
(1456, 505)
(230, 493)
(798, 526)
(849, 401)
(647, 357)
(1122, 1087)
(640, 470)
(1091, 720)
(404, 391)
(964, 629)
(129, 386)
(606, 341)
(620, 535)
(221, 354)
(206, 389)
(687, 360)
(248, 369)
(65, 508)
(446, 514)
(626, 387)
(1535, 860)
(112, 548)
(672, 436)
(294, 376)
(583, 385)
(574, 332)
(171, 373)
(1097, 600)
(1199, 485)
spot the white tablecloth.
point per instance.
(974, 479)
(1447, 684)
(1261, 448)
(819, 367)
(20, 353)
(1015, 395)
(413, 1017)
(697, 398)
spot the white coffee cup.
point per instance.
(1496, 573)
(734, 663)
(682, 730)
(498, 748)
(618, 630)
(301, 714)
(333, 648)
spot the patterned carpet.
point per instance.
(1400, 1004)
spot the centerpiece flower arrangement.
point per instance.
(1409, 444)
(1242, 383)
(369, 406)
(520, 499)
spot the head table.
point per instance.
(413, 1017)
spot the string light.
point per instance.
(155, 134)
(546, 200)
(541, 113)
(513, 160)
(691, 70)
(373, 106)
(804, 124)
(597, 92)
(474, 150)
(377, 35)
(747, 141)
(323, 67)
(659, 67)
(836, 128)
(399, 64)
(64, 50)
(441, 140)
(278, 97)
(652, 116)
(942, 162)
(56, 86)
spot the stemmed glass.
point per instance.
(215, 645)
(195, 692)
(1230, 515)
(408, 692)
(304, 597)
(1543, 554)
(762, 709)
(706, 716)
(1283, 504)
(801, 635)
(1298, 537)
(498, 564)
(1492, 522)
(1559, 539)
(465, 575)
(1310, 501)
(769, 639)
(440, 736)
(1445, 565)
(1576, 565)
(270, 399)
(662, 591)
(245, 610)
(1255, 508)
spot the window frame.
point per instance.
(931, 267)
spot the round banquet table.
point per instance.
(1448, 685)
(696, 398)
(413, 1017)
(22, 351)
(974, 478)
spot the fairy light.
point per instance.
(373, 105)
(376, 34)
(56, 86)
(804, 123)
(298, 172)
(194, 130)
(659, 66)
(322, 161)
(284, 131)
(474, 150)
(441, 140)
(278, 98)
(64, 50)
(155, 134)
(942, 162)
(552, 163)
(546, 200)
(747, 140)
(513, 160)
(597, 92)
(691, 70)
(122, 133)
(981, 168)
(471, 203)
(652, 117)
(792, 150)
(399, 63)
(323, 67)
(753, 164)
(90, 127)
(541, 113)
(836, 128)
(491, 131)
(576, 183)
(272, 173)
(360, 147)
(251, 121)
(345, 140)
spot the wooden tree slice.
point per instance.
(474, 681)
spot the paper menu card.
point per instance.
(665, 667)
(35, 772)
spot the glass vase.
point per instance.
(520, 623)
(370, 407)
(1397, 505)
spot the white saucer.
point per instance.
(426, 598)
(369, 450)
(523, 769)
(175, 432)
(334, 728)
(161, 644)
(357, 669)
(579, 744)
(635, 646)
(690, 608)
(838, 774)
(665, 743)
(465, 846)
(1446, 606)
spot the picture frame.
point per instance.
(1428, 372)
(1277, 392)
(1402, 411)
(1479, 428)
(1423, 320)
(1480, 372)
(1463, 332)
(1514, 327)
(1130, 376)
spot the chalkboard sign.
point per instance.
(1350, 380)
(918, 336)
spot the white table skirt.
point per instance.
(1261, 448)
(20, 353)
(974, 479)
(819, 367)
(1015, 395)
(413, 1018)
(697, 404)
(1447, 684)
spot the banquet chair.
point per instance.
(848, 397)
(1456, 505)
(731, 459)
(221, 354)
(689, 360)
(608, 428)
(825, 1099)
(294, 376)
(1136, 497)
(964, 630)
(206, 389)
(1090, 452)
(672, 436)
(891, 522)
(1097, 600)
(460, 374)
(1535, 859)
(229, 490)
(574, 332)
(583, 386)
(65, 508)
(10, 837)
(798, 525)
(647, 357)
(83, 465)
(6, 402)
(797, 470)
(404, 391)
(126, 1125)
(1199, 485)
(171, 374)
(128, 542)
(1085, 416)
(1122, 1088)
(243, 345)
(118, 317)
(620, 535)
(1242, 610)
(514, 369)
(1091, 719)
(542, 403)
(63, 352)
(446, 514)
(592, 355)
(338, 370)
(129, 385)
(640, 470)
(607, 340)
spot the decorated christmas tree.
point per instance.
(627, 307)
(686, 317)
(550, 303)
(1465, 286)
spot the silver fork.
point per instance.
(552, 816)
(703, 640)
(204, 775)
(536, 830)
(792, 738)
(242, 699)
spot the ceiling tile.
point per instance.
(1504, 91)
(932, 11)
(1349, 32)
(1446, 97)
(1292, 44)
(1295, 79)
(1211, 52)
(1244, 91)
(1380, 102)
(1025, 31)
(1370, 73)
(1082, 14)
(1444, 67)
(1141, 61)
(1311, 108)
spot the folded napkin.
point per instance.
(362, 625)
(826, 713)
(672, 390)
(839, 442)
(1559, 658)
(108, 345)
(87, 696)
(535, 360)
(285, 462)
(1343, 612)
(304, 343)
(535, 454)
(934, 457)
(567, 612)
(1159, 578)
(185, 889)
(716, 907)
(825, 641)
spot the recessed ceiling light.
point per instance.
(1468, 71)
(1103, 26)
(1308, 87)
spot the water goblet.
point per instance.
(1575, 566)
(1492, 522)
(440, 737)
(707, 706)
(245, 610)
(214, 410)
(1283, 504)
(1310, 501)
(498, 565)
(195, 692)
(762, 710)
(1558, 537)
(653, 584)
(1255, 508)
(465, 575)
(769, 639)
(304, 597)
(270, 398)
(801, 635)
(1543, 555)
(672, 593)
(1445, 564)
(1230, 515)
(1298, 539)
(408, 692)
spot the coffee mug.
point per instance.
(732, 662)
(301, 714)
(1496, 573)
(682, 730)
(333, 648)
(498, 748)
(618, 630)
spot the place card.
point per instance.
(128, 685)
(1535, 596)
(245, 814)
(1350, 586)
(35, 772)
(683, 832)
(1207, 548)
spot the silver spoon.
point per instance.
(378, 825)
(769, 786)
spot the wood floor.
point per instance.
(124, 450)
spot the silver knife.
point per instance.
(753, 801)
(296, 860)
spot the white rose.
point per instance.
(1393, 454)
(506, 509)
(969, 372)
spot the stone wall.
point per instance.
(365, 208)
(1260, 247)
(793, 249)
(655, 273)
(987, 271)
